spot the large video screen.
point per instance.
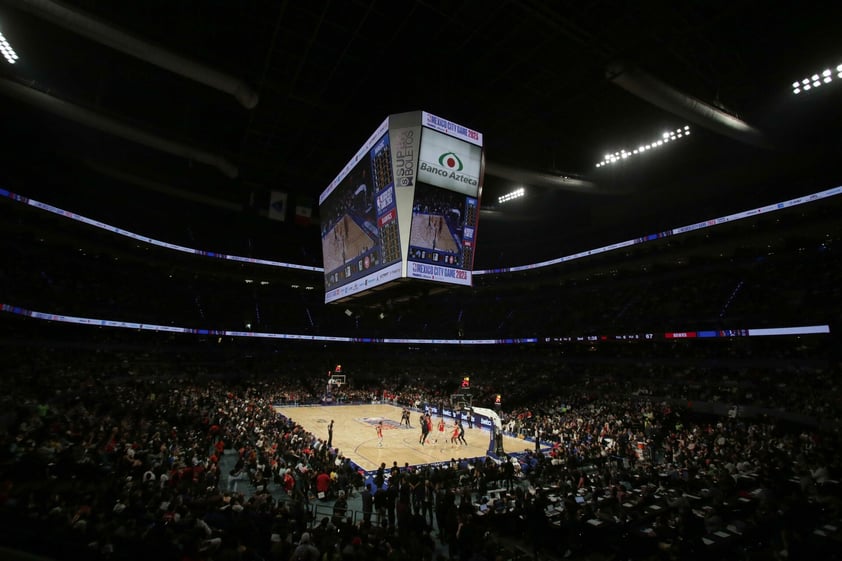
(360, 238)
(445, 209)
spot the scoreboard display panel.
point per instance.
(422, 225)
(360, 241)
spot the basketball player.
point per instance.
(379, 429)
(426, 428)
(429, 423)
(441, 429)
(461, 437)
(422, 421)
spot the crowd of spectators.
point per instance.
(645, 450)
(114, 459)
(129, 466)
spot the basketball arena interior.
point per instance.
(233, 330)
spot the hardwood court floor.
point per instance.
(354, 433)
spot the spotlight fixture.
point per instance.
(516, 194)
(7, 50)
(666, 138)
(816, 80)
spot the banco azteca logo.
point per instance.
(451, 161)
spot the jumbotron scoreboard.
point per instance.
(406, 206)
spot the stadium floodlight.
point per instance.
(7, 50)
(816, 80)
(516, 194)
(665, 138)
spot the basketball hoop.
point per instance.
(460, 402)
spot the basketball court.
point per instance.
(355, 435)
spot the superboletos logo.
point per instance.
(450, 161)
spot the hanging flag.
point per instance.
(303, 210)
(278, 205)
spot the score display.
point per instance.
(405, 206)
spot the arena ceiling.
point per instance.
(224, 102)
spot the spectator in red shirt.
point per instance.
(322, 484)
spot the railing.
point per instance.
(319, 510)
